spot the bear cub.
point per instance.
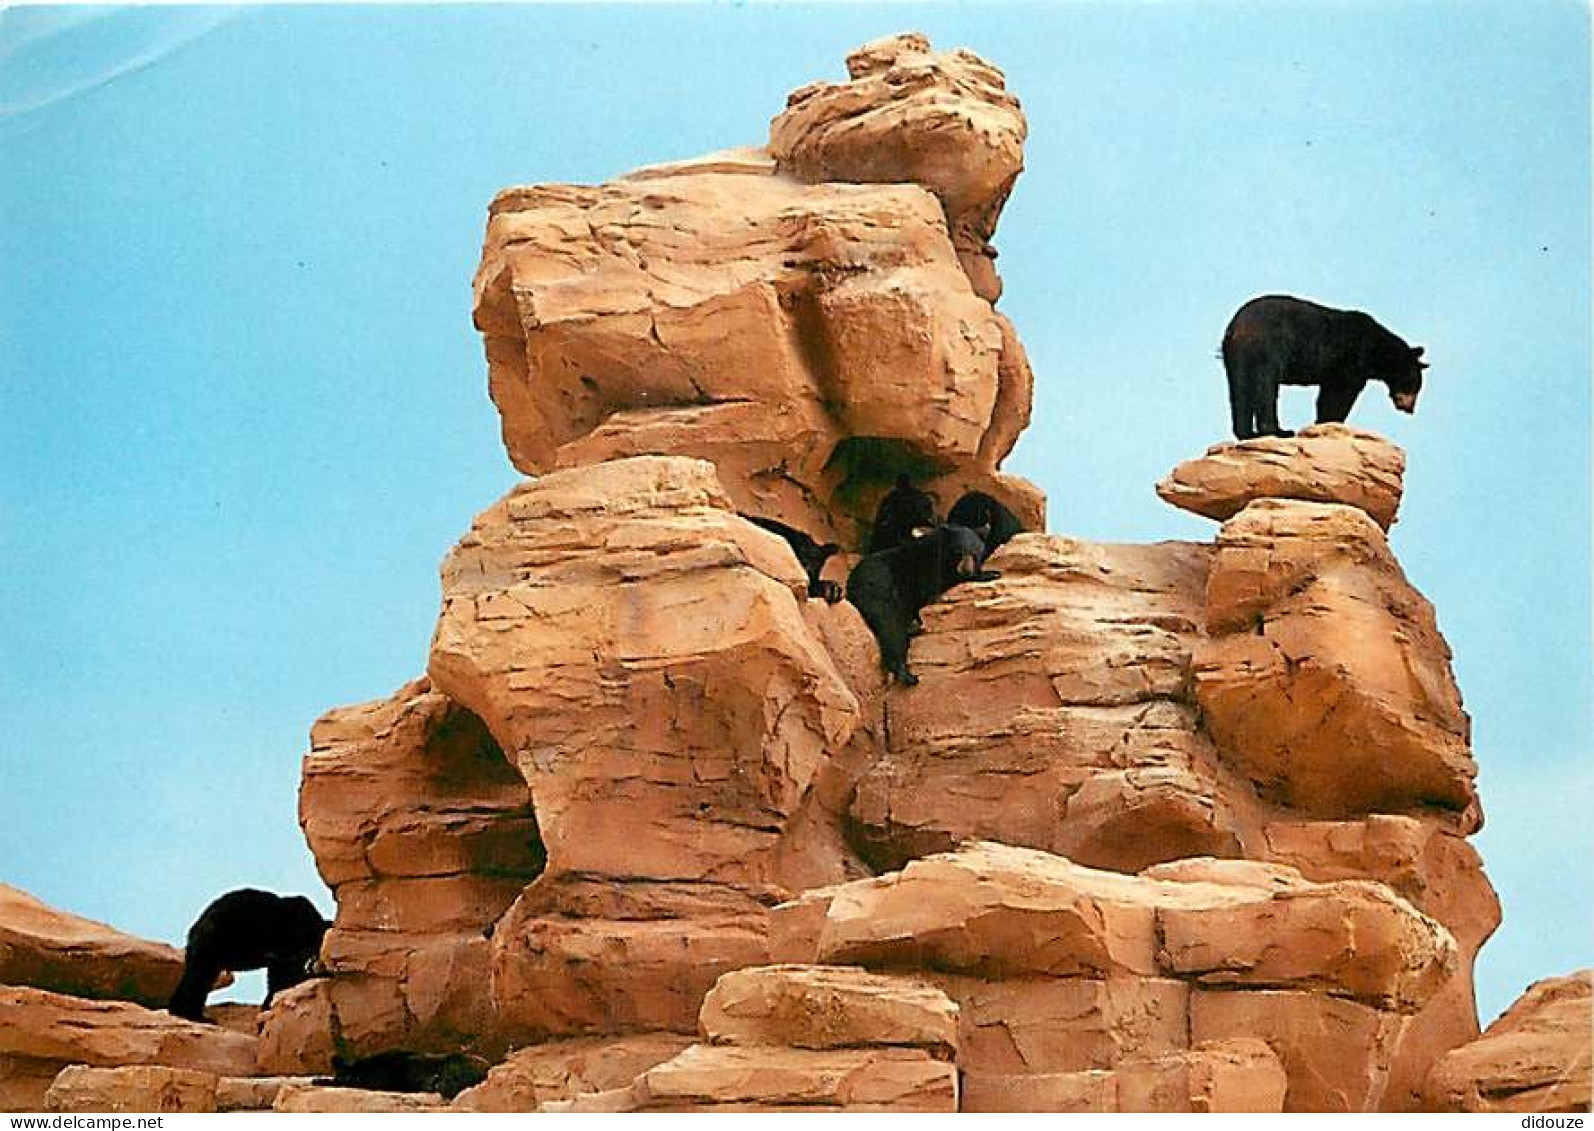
(994, 523)
(1279, 340)
(904, 510)
(245, 930)
(890, 587)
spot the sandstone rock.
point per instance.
(1326, 463)
(296, 1033)
(1239, 1075)
(733, 1078)
(1336, 1053)
(787, 332)
(315, 1098)
(43, 1032)
(1352, 938)
(562, 1070)
(944, 120)
(1534, 1058)
(137, 1088)
(253, 1093)
(575, 624)
(1003, 912)
(1219, 1076)
(1052, 713)
(827, 1007)
(1324, 678)
(55, 950)
(1052, 1026)
(571, 960)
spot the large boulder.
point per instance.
(813, 335)
(944, 120)
(1534, 1058)
(1326, 463)
(43, 1032)
(55, 950)
(1323, 678)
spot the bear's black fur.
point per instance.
(811, 556)
(1278, 340)
(993, 522)
(399, 1070)
(245, 930)
(904, 510)
(890, 587)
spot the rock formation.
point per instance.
(1534, 1058)
(1171, 827)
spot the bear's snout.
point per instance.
(1405, 402)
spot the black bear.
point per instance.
(890, 587)
(245, 930)
(1278, 340)
(399, 1070)
(993, 522)
(904, 510)
(810, 555)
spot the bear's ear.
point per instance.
(1416, 355)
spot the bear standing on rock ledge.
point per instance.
(245, 930)
(1279, 340)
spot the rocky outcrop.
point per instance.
(141, 1088)
(1325, 463)
(812, 335)
(944, 120)
(1534, 1058)
(1061, 971)
(42, 1032)
(55, 950)
(1323, 677)
(558, 1071)
(1172, 827)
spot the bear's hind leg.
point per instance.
(188, 999)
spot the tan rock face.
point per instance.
(307, 1098)
(1324, 678)
(1218, 1076)
(827, 1007)
(944, 120)
(562, 1070)
(43, 1032)
(139, 1088)
(731, 1078)
(814, 340)
(426, 834)
(1053, 713)
(1534, 1058)
(55, 950)
(1326, 463)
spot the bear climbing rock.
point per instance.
(245, 930)
(993, 522)
(904, 509)
(1278, 340)
(811, 555)
(890, 587)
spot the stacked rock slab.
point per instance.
(805, 1038)
(1082, 988)
(42, 1033)
(51, 949)
(799, 316)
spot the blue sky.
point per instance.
(245, 413)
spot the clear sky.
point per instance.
(245, 413)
